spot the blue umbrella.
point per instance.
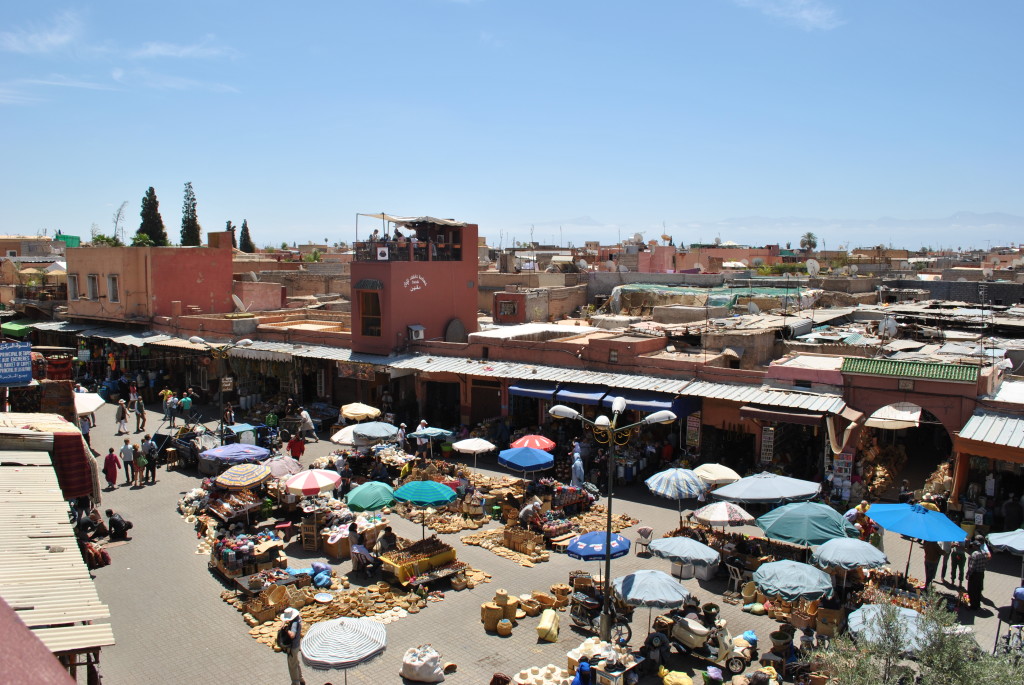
(806, 523)
(685, 551)
(677, 484)
(915, 521)
(526, 459)
(848, 554)
(375, 431)
(593, 546)
(866, 624)
(792, 580)
(768, 487)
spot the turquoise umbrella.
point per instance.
(806, 523)
(431, 434)
(370, 496)
(792, 580)
(425, 493)
(866, 624)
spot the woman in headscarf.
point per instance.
(111, 465)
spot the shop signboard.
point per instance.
(362, 372)
(767, 444)
(693, 430)
(84, 354)
(227, 383)
(15, 363)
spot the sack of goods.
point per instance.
(422, 665)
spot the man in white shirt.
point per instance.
(128, 457)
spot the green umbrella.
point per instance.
(806, 523)
(425, 493)
(370, 496)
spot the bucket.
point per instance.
(504, 627)
(780, 640)
(492, 614)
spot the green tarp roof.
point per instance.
(18, 328)
(908, 369)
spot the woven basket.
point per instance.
(303, 580)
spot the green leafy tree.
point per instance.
(152, 226)
(142, 240)
(245, 243)
(284, 245)
(191, 231)
(102, 240)
(808, 241)
(231, 227)
(313, 256)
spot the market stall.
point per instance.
(428, 559)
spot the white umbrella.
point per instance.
(342, 643)
(716, 474)
(357, 411)
(723, 514)
(474, 446)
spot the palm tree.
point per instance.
(808, 241)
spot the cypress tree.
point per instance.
(191, 231)
(231, 227)
(245, 243)
(152, 226)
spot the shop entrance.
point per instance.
(734, 449)
(905, 447)
(485, 402)
(441, 407)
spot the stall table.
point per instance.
(243, 584)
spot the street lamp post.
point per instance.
(220, 352)
(613, 435)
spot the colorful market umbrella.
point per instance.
(283, 466)
(768, 488)
(537, 442)
(425, 493)
(684, 550)
(525, 459)
(677, 484)
(375, 431)
(342, 643)
(723, 514)
(867, 623)
(916, 522)
(806, 523)
(243, 476)
(370, 496)
(474, 446)
(312, 482)
(236, 453)
(792, 580)
(357, 411)
(848, 554)
(716, 474)
(593, 546)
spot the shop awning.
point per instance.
(18, 328)
(896, 416)
(581, 394)
(638, 400)
(539, 391)
(87, 402)
(369, 284)
(992, 435)
(779, 415)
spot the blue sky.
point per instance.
(602, 118)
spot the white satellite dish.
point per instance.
(961, 280)
(610, 264)
(753, 308)
(623, 269)
(638, 237)
(854, 268)
(758, 261)
(987, 273)
(745, 262)
(887, 327)
(582, 264)
(239, 305)
(813, 267)
(253, 277)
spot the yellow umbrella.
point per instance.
(358, 411)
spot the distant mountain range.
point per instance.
(962, 229)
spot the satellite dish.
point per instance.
(582, 264)
(239, 305)
(753, 308)
(718, 241)
(666, 238)
(745, 262)
(638, 237)
(813, 268)
(854, 268)
(758, 261)
(610, 264)
(1018, 262)
(961, 280)
(887, 327)
(987, 273)
(623, 269)
(253, 277)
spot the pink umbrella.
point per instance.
(313, 482)
(537, 442)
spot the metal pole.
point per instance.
(606, 616)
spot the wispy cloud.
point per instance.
(61, 81)
(39, 40)
(809, 15)
(12, 96)
(204, 49)
(149, 79)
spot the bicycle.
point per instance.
(1012, 642)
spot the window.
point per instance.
(369, 313)
(802, 384)
(507, 308)
(113, 289)
(12, 253)
(72, 286)
(92, 284)
(613, 356)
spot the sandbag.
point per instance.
(547, 629)
(322, 579)
(422, 665)
(674, 677)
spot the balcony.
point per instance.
(407, 251)
(41, 297)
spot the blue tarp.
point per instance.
(538, 390)
(639, 400)
(581, 394)
(237, 453)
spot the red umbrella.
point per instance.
(537, 442)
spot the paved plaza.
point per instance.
(172, 627)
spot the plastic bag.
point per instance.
(423, 665)
(547, 629)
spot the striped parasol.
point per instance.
(537, 442)
(723, 514)
(243, 476)
(677, 484)
(313, 482)
(342, 643)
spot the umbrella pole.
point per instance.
(906, 571)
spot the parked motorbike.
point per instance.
(585, 612)
(706, 637)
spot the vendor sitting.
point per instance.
(362, 558)
(118, 526)
(387, 541)
(379, 472)
(529, 515)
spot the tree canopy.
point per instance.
(191, 231)
(808, 241)
(245, 243)
(231, 227)
(152, 226)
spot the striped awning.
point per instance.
(342, 643)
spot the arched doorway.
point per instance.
(902, 441)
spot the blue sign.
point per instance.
(15, 363)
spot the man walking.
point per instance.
(140, 415)
(306, 429)
(976, 565)
(290, 640)
(121, 416)
(128, 457)
(185, 406)
(171, 409)
(149, 449)
(85, 425)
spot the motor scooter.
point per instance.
(707, 638)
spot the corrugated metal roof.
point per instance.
(181, 344)
(536, 372)
(263, 350)
(69, 326)
(909, 369)
(996, 429)
(345, 354)
(750, 394)
(120, 335)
